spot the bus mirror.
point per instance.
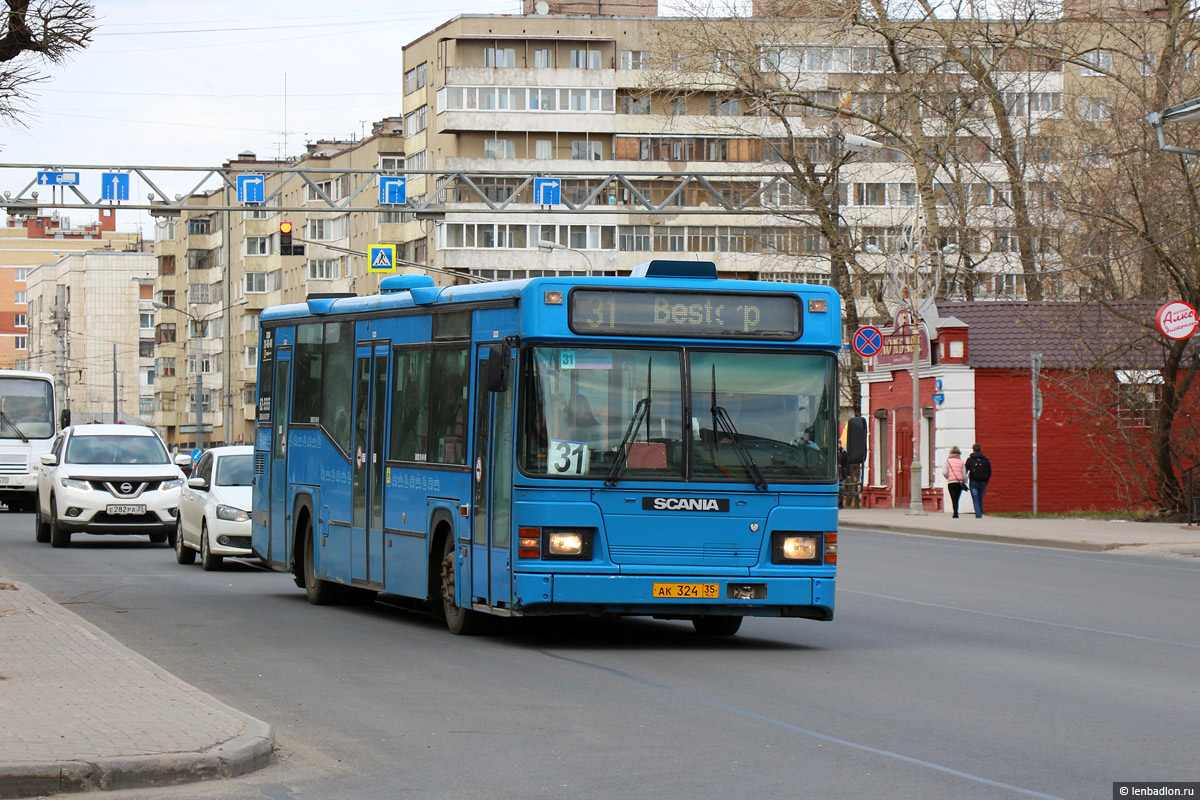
(856, 440)
(497, 367)
(64, 419)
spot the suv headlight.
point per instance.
(232, 514)
(78, 485)
(174, 483)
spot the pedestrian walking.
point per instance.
(979, 472)
(952, 471)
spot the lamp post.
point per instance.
(546, 247)
(198, 322)
(911, 296)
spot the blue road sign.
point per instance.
(547, 191)
(392, 189)
(114, 186)
(196, 455)
(250, 188)
(58, 178)
(868, 341)
(381, 257)
(939, 397)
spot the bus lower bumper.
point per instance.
(810, 598)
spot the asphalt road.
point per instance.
(953, 670)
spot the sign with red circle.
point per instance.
(1177, 320)
(867, 341)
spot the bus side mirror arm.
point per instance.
(856, 440)
(499, 358)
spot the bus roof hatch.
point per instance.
(675, 269)
(404, 283)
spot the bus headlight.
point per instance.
(796, 548)
(565, 544)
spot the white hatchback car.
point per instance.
(107, 479)
(214, 509)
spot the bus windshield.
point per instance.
(622, 414)
(28, 408)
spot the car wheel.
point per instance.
(460, 621)
(58, 537)
(41, 530)
(208, 561)
(716, 626)
(183, 553)
(320, 592)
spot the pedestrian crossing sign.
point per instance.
(381, 258)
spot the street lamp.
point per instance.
(198, 322)
(546, 247)
(911, 295)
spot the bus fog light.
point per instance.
(566, 544)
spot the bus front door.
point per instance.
(491, 520)
(367, 456)
(281, 522)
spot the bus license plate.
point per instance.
(684, 591)
(127, 509)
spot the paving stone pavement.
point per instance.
(80, 711)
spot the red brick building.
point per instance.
(1099, 380)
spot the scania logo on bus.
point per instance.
(685, 504)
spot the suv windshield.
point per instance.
(91, 449)
(580, 407)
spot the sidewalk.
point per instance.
(80, 711)
(1141, 538)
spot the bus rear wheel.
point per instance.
(716, 626)
(460, 621)
(320, 592)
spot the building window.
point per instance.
(635, 59)
(1095, 109)
(627, 104)
(324, 230)
(166, 265)
(1139, 392)
(199, 226)
(543, 57)
(584, 149)
(251, 356)
(719, 107)
(21, 274)
(416, 77)
(499, 57)
(326, 269)
(633, 238)
(585, 59)
(417, 121)
(165, 367)
(146, 404)
(165, 333)
(145, 348)
(543, 149)
(21, 320)
(21, 342)
(258, 245)
(1095, 63)
(499, 148)
(870, 194)
(678, 107)
(145, 320)
(391, 163)
(256, 282)
(21, 297)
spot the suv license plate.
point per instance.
(704, 591)
(127, 509)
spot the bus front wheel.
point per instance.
(716, 626)
(320, 592)
(461, 621)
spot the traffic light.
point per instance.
(285, 238)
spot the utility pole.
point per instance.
(116, 411)
(1035, 368)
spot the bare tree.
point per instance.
(38, 30)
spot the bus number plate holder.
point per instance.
(686, 591)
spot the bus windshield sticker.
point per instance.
(585, 359)
(567, 458)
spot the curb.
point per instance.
(994, 538)
(249, 750)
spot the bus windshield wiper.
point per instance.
(8, 421)
(640, 412)
(723, 422)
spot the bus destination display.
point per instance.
(686, 314)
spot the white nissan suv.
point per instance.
(115, 479)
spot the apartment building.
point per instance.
(575, 89)
(90, 321)
(217, 270)
(28, 240)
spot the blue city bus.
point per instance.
(663, 444)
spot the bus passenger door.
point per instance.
(367, 456)
(281, 406)
(491, 518)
